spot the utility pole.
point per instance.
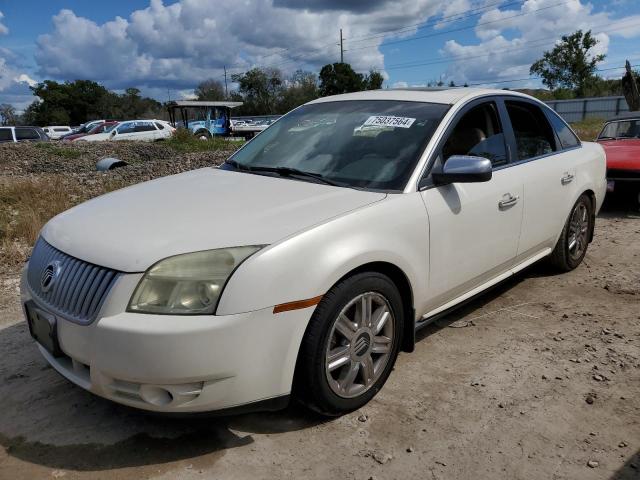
(226, 92)
(341, 47)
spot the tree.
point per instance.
(7, 114)
(630, 88)
(72, 103)
(260, 90)
(300, 88)
(210, 89)
(374, 80)
(339, 78)
(569, 64)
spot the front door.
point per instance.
(475, 227)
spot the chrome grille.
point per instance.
(68, 287)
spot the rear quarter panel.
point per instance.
(591, 171)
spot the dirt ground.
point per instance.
(538, 379)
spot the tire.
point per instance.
(202, 134)
(567, 255)
(328, 385)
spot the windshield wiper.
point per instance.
(285, 172)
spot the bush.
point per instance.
(183, 140)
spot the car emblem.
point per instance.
(49, 276)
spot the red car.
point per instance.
(620, 138)
(100, 128)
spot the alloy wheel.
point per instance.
(360, 345)
(578, 237)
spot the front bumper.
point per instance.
(170, 363)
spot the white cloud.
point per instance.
(14, 86)
(537, 24)
(180, 44)
(400, 85)
(3, 28)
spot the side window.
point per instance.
(27, 134)
(126, 128)
(6, 135)
(144, 127)
(534, 135)
(478, 133)
(159, 126)
(567, 138)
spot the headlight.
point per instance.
(187, 284)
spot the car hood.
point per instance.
(622, 154)
(131, 229)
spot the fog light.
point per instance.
(157, 396)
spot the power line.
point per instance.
(430, 23)
(427, 23)
(460, 29)
(538, 42)
(535, 78)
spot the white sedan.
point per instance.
(141, 130)
(303, 265)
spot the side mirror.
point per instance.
(463, 169)
(113, 134)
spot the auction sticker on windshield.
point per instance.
(389, 121)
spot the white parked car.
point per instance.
(141, 130)
(55, 132)
(304, 264)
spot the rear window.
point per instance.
(6, 135)
(61, 129)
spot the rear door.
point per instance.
(474, 226)
(548, 170)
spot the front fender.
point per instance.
(307, 264)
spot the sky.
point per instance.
(166, 48)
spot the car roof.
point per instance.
(446, 96)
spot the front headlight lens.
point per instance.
(187, 284)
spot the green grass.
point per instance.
(588, 129)
(183, 141)
(59, 151)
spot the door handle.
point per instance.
(508, 200)
(568, 178)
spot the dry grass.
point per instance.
(588, 129)
(26, 204)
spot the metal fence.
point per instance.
(580, 109)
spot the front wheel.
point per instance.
(574, 239)
(350, 345)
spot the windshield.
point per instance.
(371, 144)
(108, 128)
(622, 129)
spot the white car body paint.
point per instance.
(451, 242)
(122, 132)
